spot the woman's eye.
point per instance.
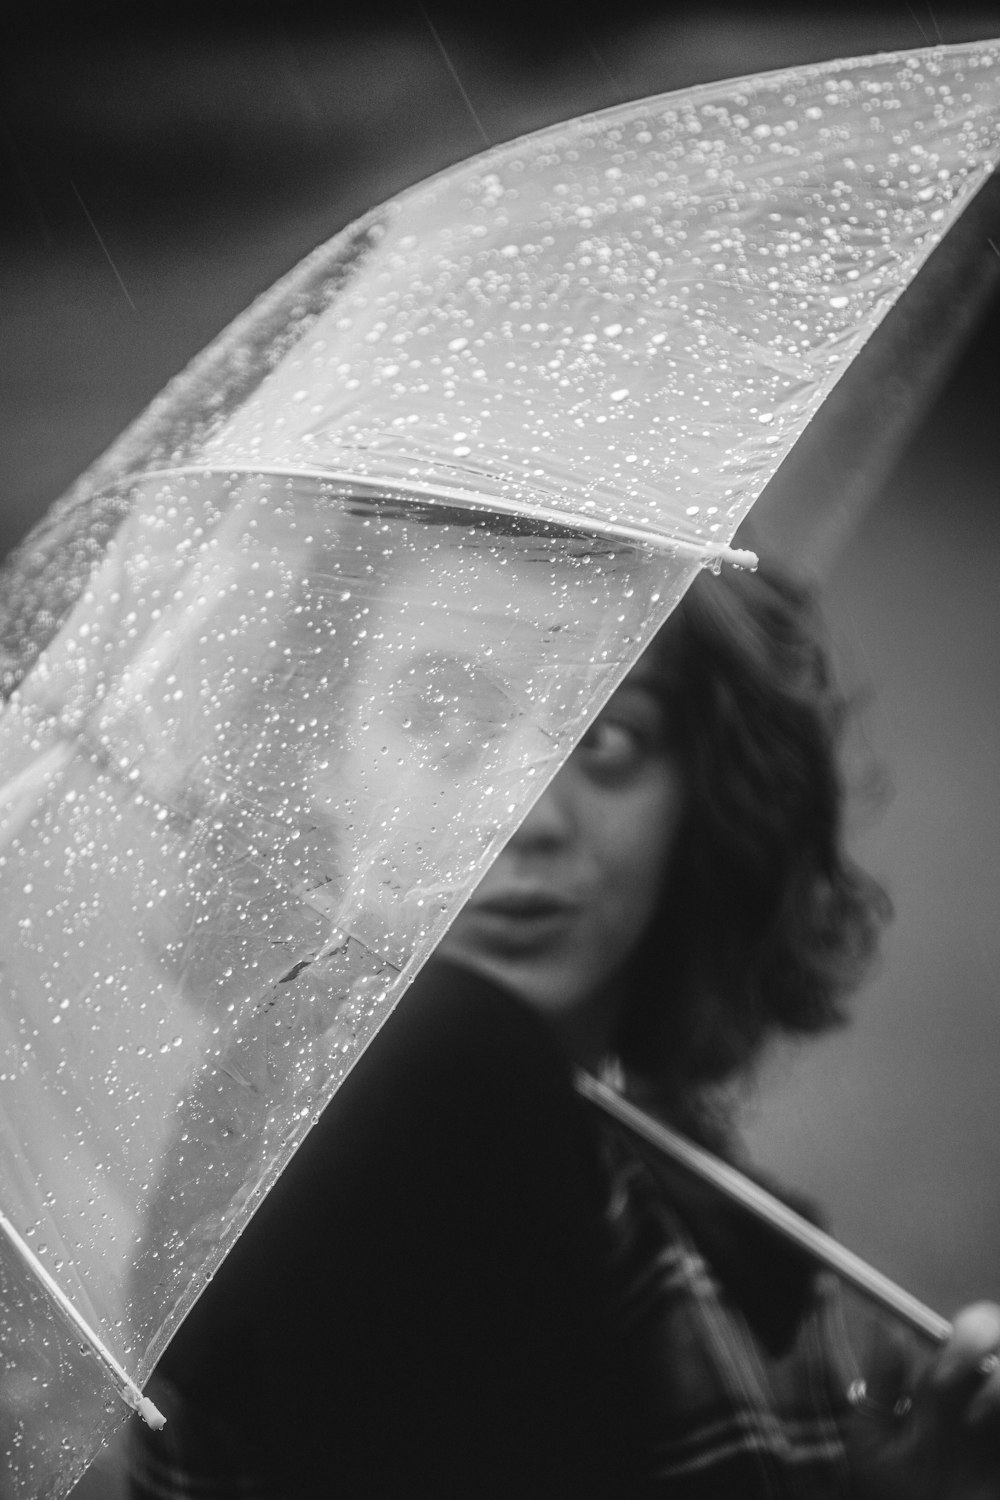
(612, 747)
(450, 710)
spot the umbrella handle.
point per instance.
(741, 1189)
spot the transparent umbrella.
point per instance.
(287, 666)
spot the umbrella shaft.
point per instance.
(743, 1190)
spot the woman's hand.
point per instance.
(939, 1440)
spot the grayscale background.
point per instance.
(159, 174)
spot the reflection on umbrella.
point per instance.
(289, 664)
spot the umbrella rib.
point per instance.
(127, 1388)
(707, 553)
(741, 1189)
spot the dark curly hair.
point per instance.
(765, 925)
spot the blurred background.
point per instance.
(161, 173)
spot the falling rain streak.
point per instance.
(104, 249)
(454, 73)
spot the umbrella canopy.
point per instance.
(288, 665)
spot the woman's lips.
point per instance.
(523, 904)
(518, 921)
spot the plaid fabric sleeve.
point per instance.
(725, 1417)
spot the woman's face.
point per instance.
(560, 913)
(481, 653)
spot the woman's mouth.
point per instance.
(518, 921)
(522, 905)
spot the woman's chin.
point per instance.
(531, 973)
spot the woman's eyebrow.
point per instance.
(456, 670)
(641, 687)
(640, 697)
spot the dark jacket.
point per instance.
(421, 1305)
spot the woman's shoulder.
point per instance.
(732, 1332)
(718, 1248)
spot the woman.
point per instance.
(700, 820)
(532, 1305)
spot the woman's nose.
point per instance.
(553, 819)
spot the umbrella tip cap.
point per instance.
(150, 1413)
(714, 554)
(741, 557)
